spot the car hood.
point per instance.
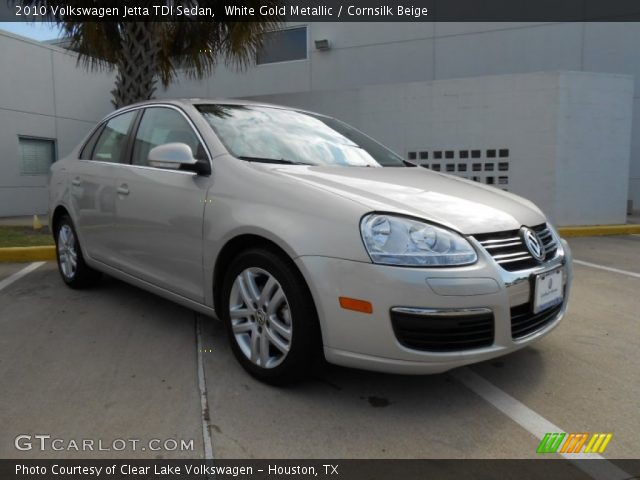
(462, 205)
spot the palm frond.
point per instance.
(186, 47)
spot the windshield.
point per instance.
(277, 135)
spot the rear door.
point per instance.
(92, 181)
(159, 213)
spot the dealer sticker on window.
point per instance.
(548, 290)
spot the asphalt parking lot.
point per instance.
(116, 362)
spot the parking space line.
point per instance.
(608, 269)
(18, 275)
(204, 402)
(535, 424)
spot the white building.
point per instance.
(46, 106)
(467, 98)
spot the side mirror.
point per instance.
(172, 156)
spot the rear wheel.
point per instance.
(71, 265)
(271, 318)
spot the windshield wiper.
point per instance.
(280, 161)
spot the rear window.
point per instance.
(85, 154)
(112, 142)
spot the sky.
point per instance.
(35, 31)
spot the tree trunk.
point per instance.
(138, 65)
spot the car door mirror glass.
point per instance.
(171, 156)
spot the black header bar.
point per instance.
(334, 469)
(325, 10)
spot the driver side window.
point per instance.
(163, 125)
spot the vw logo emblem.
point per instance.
(533, 243)
(261, 317)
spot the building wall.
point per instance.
(595, 116)
(561, 139)
(42, 94)
(388, 53)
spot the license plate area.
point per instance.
(548, 290)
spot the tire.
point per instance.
(71, 265)
(266, 303)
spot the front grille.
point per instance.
(510, 252)
(524, 322)
(435, 333)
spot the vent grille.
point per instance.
(486, 161)
(435, 333)
(510, 252)
(524, 322)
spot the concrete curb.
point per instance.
(27, 254)
(38, 254)
(598, 230)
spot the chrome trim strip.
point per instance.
(500, 256)
(503, 245)
(441, 312)
(489, 242)
(518, 259)
(145, 167)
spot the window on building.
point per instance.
(36, 155)
(283, 46)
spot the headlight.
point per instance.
(395, 240)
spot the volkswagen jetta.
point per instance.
(307, 238)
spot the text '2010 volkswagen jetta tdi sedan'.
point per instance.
(307, 238)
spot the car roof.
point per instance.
(206, 101)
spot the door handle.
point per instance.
(76, 182)
(123, 189)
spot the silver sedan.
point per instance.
(307, 238)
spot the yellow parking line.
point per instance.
(27, 254)
(597, 230)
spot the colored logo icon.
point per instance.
(574, 442)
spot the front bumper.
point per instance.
(368, 341)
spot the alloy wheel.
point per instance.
(67, 254)
(260, 317)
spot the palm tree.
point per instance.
(143, 53)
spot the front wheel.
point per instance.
(271, 318)
(71, 265)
